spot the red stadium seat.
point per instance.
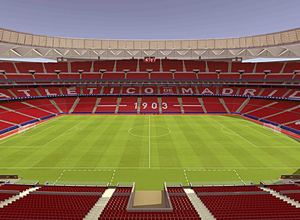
(247, 67)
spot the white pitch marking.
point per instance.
(147, 136)
(238, 175)
(60, 176)
(112, 178)
(63, 133)
(107, 105)
(236, 133)
(149, 145)
(158, 168)
(5, 139)
(218, 170)
(85, 170)
(186, 178)
(88, 170)
(188, 105)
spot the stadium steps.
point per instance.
(118, 105)
(278, 113)
(262, 107)
(12, 93)
(92, 67)
(69, 67)
(96, 105)
(261, 91)
(17, 197)
(36, 107)
(115, 66)
(254, 68)
(243, 105)
(37, 92)
(287, 92)
(74, 104)
(159, 105)
(183, 66)
(201, 209)
(230, 67)
(217, 89)
(281, 197)
(8, 122)
(20, 113)
(139, 99)
(290, 122)
(15, 66)
(283, 67)
(60, 89)
(206, 67)
(138, 66)
(56, 106)
(224, 105)
(202, 105)
(44, 68)
(160, 66)
(181, 106)
(99, 206)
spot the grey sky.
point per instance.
(151, 19)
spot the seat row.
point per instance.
(163, 90)
(223, 202)
(160, 65)
(15, 113)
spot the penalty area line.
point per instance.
(186, 177)
(112, 178)
(146, 167)
(217, 170)
(59, 177)
(239, 177)
(86, 170)
(149, 145)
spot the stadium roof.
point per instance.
(14, 44)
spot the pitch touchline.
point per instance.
(60, 176)
(157, 168)
(149, 150)
(112, 177)
(85, 170)
(214, 170)
(238, 175)
(236, 133)
(63, 133)
(130, 131)
(186, 177)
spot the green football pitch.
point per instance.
(149, 150)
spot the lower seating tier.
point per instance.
(223, 202)
(116, 209)
(245, 202)
(281, 112)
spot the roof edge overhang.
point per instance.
(280, 44)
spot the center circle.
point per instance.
(155, 131)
